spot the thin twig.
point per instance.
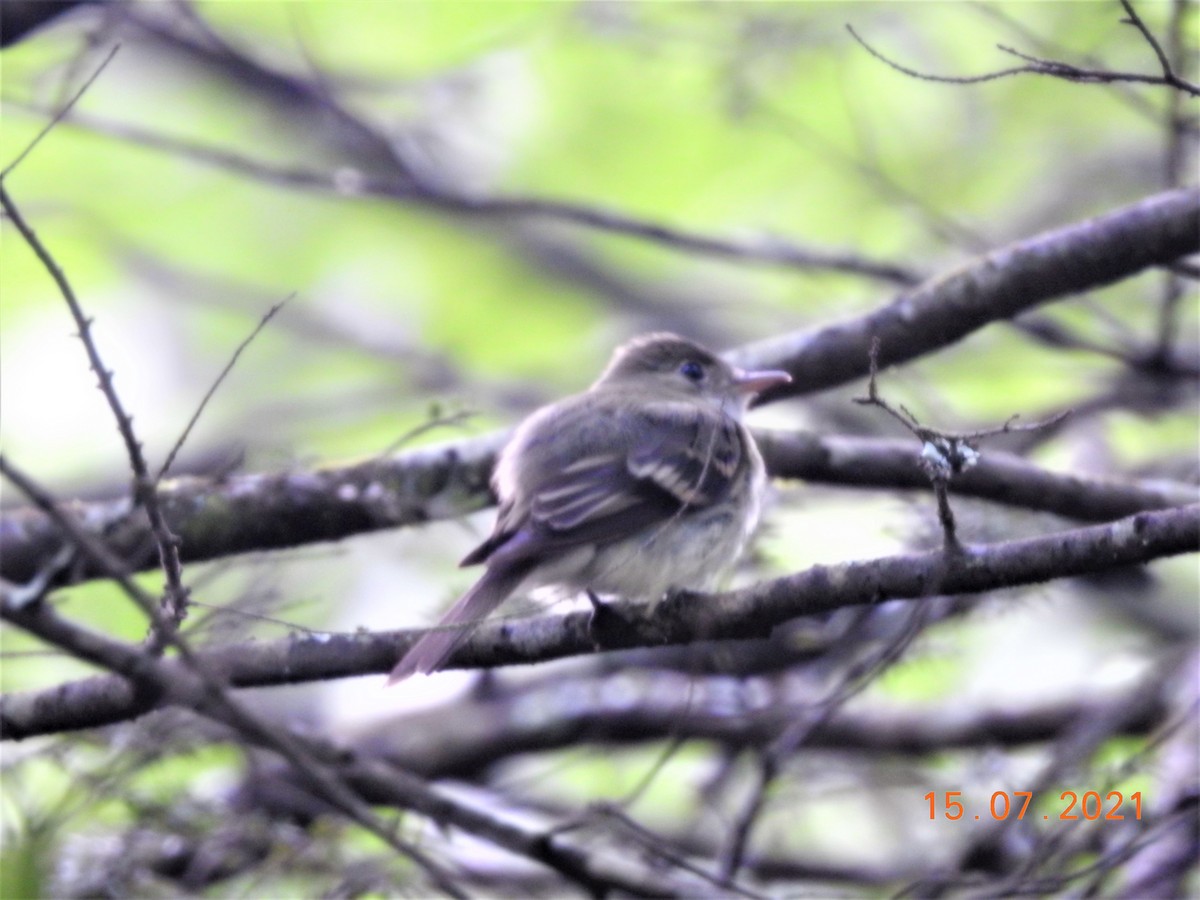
(764, 249)
(175, 593)
(1136, 21)
(944, 454)
(262, 323)
(732, 854)
(1135, 100)
(437, 419)
(906, 417)
(856, 677)
(926, 76)
(658, 847)
(104, 376)
(174, 599)
(1037, 66)
(1138, 358)
(1174, 158)
(61, 114)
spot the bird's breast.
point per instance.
(689, 550)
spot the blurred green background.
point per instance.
(741, 120)
(731, 119)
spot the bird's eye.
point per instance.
(692, 370)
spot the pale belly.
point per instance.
(690, 551)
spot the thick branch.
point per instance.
(268, 511)
(751, 612)
(999, 477)
(1082, 256)
(247, 513)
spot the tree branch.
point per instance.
(258, 512)
(1156, 231)
(245, 513)
(752, 612)
(462, 738)
(174, 601)
(351, 183)
(1051, 67)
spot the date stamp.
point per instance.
(1071, 806)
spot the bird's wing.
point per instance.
(692, 454)
(641, 469)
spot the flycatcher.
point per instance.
(645, 482)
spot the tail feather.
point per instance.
(434, 648)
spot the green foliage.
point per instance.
(22, 867)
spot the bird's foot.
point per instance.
(606, 626)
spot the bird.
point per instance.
(646, 482)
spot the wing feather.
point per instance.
(645, 466)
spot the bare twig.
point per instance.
(766, 249)
(659, 849)
(384, 783)
(1128, 94)
(262, 323)
(174, 599)
(1036, 66)
(175, 593)
(61, 113)
(733, 850)
(1131, 354)
(438, 418)
(944, 454)
(1175, 153)
(804, 721)
(926, 76)
(1136, 21)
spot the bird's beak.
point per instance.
(751, 383)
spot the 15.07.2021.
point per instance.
(1089, 806)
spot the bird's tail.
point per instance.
(433, 649)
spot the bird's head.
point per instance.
(668, 366)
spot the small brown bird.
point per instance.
(645, 482)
